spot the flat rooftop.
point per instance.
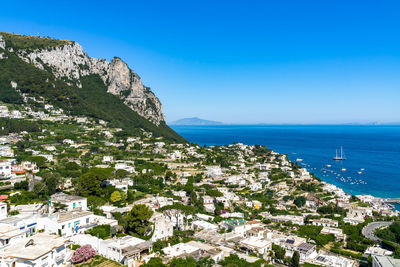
(64, 198)
(70, 215)
(41, 245)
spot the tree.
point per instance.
(137, 220)
(88, 184)
(279, 252)
(60, 138)
(234, 261)
(296, 259)
(120, 173)
(130, 197)
(39, 160)
(115, 196)
(52, 181)
(72, 166)
(102, 231)
(300, 201)
(23, 185)
(48, 185)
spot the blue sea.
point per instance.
(376, 149)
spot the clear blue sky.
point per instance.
(240, 61)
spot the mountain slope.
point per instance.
(64, 74)
(194, 121)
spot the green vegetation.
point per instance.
(391, 238)
(102, 231)
(347, 253)
(355, 239)
(331, 209)
(25, 42)
(181, 262)
(296, 259)
(137, 220)
(391, 233)
(300, 201)
(234, 260)
(91, 100)
(17, 125)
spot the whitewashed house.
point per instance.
(39, 250)
(67, 223)
(71, 202)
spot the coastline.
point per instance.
(297, 142)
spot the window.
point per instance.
(87, 220)
(73, 205)
(79, 204)
(63, 226)
(69, 225)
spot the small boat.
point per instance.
(359, 172)
(328, 165)
(362, 169)
(343, 169)
(299, 160)
(341, 157)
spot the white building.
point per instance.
(67, 223)
(25, 222)
(122, 184)
(257, 245)
(325, 222)
(163, 227)
(385, 261)
(204, 225)
(337, 232)
(10, 235)
(6, 151)
(108, 158)
(255, 186)
(5, 169)
(213, 171)
(125, 250)
(124, 166)
(39, 250)
(71, 202)
(179, 250)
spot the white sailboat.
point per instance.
(341, 157)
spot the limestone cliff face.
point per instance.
(71, 62)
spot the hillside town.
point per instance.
(77, 189)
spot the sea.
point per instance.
(372, 152)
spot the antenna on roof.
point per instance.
(30, 243)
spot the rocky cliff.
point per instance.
(69, 62)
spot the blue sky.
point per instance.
(241, 61)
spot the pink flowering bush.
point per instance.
(83, 254)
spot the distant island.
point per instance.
(194, 121)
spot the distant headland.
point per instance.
(194, 121)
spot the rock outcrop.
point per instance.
(70, 62)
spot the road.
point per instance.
(368, 231)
